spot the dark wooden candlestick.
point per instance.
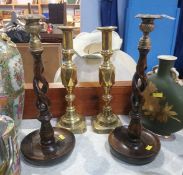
(134, 144)
(48, 145)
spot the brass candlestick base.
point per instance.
(102, 125)
(48, 145)
(70, 120)
(134, 144)
(106, 121)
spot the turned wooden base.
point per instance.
(138, 153)
(34, 153)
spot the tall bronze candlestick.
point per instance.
(48, 145)
(106, 120)
(71, 119)
(134, 144)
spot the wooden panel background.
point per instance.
(88, 100)
(52, 59)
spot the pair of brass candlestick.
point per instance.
(105, 121)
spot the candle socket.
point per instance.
(48, 145)
(71, 120)
(135, 144)
(106, 121)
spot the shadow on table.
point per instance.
(175, 146)
(155, 173)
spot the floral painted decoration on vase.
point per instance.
(9, 131)
(11, 80)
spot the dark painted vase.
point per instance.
(163, 99)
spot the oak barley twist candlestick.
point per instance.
(71, 119)
(106, 120)
(134, 144)
(48, 145)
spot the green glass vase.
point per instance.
(163, 99)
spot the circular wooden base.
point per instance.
(131, 152)
(34, 153)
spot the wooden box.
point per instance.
(88, 100)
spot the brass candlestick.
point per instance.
(106, 120)
(48, 145)
(71, 119)
(134, 144)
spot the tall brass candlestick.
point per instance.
(106, 120)
(71, 119)
(134, 144)
(48, 145)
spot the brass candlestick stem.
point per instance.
(48, 145)
(107, 120)
(134, 144)
(71, 119)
